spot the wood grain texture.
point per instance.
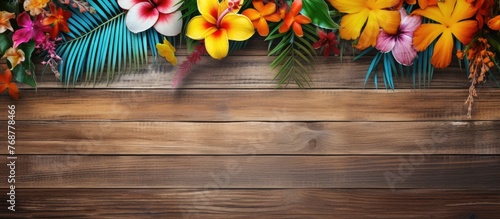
(254, 72)
(255, 203)
(417, 171)
(254, 105)
(243, 138)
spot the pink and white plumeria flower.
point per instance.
(160, 14)
(401, 43)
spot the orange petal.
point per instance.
(6, 77)
(13, 91)
(301, 19)
(259, 5)
(494, 23)
(297, 29)
(443, 50)
(269, 8)
(425, 34)
(284, 27)
(252, 14)
(463, 10)
(465, 30)
(296, 7)
(273, 17)
(262, 27)
(432, 13)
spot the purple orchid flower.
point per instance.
(30, 30)
(401, 43)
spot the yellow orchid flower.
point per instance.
(167, 50)
(452, 19)
(14, 55)
(5, 25)
(219, 23)
(371, 14)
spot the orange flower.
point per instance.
(494, 23)
(5, 25)
(261, 14)
(7, 84)
(59, 18)
(35, 7)
(483, 8)
(452, 19)
(294, 19)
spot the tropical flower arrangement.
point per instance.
(404, 37)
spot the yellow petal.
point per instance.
(238, 27)
(15, 56)
(382, 4)
(431, 12)
(209, 10)
(463, 10)
(447, 7)
(465, 30)
(167, 50)
(348, 6)
(425, 34)
(388, 20)
(217, 44)
(370, 33)
(198, 28)
(443, 50)
(351, 24)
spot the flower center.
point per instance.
(152, 2)
(231, 5)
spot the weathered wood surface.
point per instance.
(255, 203)
(227, 145)
(416, 171)
(254, 105)
(259, 138)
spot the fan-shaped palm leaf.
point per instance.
(101, 43)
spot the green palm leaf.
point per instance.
(101, 43)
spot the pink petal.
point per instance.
(403, 51)
(385, 42)
(22, 35)
(24, 20)
(167, 6)
(141, 17)
(128, 4)
(169, 24)
(410, 23)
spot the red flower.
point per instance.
(59, 18)
(7, 84)
(328, 41)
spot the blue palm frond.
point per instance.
(100, 43)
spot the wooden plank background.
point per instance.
(227, 144)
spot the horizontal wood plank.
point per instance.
(253, 203)
(254, 72)
(201, 138)
(254, 105)
(417, 171)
